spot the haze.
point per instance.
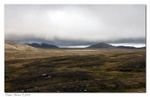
(82, 23)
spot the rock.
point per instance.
(87, 85)
(58, 91)
(36, 88)
(49, 76)
(44, 75)
(30, 90)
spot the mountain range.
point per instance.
(94, 46)
(9, 45)
(43, 45)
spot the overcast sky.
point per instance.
(74, 22)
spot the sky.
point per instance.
(75, 24)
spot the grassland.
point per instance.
(75, 70)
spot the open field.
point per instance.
(75, 70)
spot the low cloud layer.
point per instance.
(89, 23)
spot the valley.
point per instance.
(75, 70)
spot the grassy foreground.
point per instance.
(75, 70)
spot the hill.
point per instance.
(105, 45)
(15, 46)
(43, 45)
(126, 47)
(101, 45)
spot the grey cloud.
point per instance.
(74, 22)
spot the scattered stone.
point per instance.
(87, 85)
(29, 90)
(35, 88)
(58, 91)
(64, 87)
(140, 91)
(49, 76)
(44, 75)
(85, 90)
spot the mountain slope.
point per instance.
(14, 46)
(101, 45)
(105, 45)
(43, 45)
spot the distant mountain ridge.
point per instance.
(105, 45)
(43, 45)
(101, 45)
(10, 45)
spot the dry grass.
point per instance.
(75, 70)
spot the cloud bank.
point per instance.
(90, 23)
